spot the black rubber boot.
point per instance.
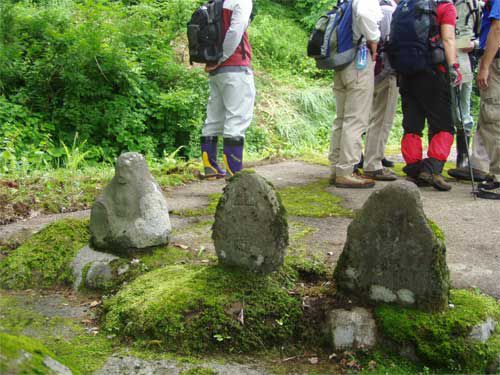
(462, 161)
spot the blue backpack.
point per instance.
(415, 43)
(331, 42)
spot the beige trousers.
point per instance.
(353, 90)
(385, 99)
(489, 118)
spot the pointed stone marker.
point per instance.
(393, 254)
(250, 229)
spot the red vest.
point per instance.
(236, 58)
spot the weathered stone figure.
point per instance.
(393, 254)
(131, 214)
(250, 229)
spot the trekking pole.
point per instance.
(461, 129)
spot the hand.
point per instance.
(482, 78)
(455, 75)
(211, 68)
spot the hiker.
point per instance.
(353, 89)
(467, 23)
(232, 93)
(488, 81)
(385, 100)
(427, 67)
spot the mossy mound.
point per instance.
(43, 261)
(23, 355)
(441, 339)
(188, 308)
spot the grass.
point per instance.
(66, 190)
(310, 200)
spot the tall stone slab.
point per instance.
(393, 253)
(250, 229)
(131, 214)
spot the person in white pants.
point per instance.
(232, 94)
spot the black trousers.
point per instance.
(426, 96)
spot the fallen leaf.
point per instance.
(95, 303)
(181, 246)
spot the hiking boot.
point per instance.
(489, 190)
(435, 180)
(383, 174)
(464, 174)
(387, 163)
(353, 182)
(417, 181)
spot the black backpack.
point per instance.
(205, 34)
(415, 43)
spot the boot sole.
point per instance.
(484, 194)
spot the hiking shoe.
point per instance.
(489, 190)
(464, 174)
(387, 163)
(417, 181)
(436, 180)
(353, 182)
(383, 174)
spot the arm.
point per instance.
(368, 16)
(492, 45)
(448, 37)
(239, 23)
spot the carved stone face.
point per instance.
(128, 167)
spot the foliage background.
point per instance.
(109, 76)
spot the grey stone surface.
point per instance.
(250, 228)
(97, 264)
(128, 365)
(351, 329)
(131, 213)
(56, 367)
(482, 332)
(392, 254)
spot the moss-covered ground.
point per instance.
(206, 308)
(309, 200)
(43, 260)
(441, 339)
(23, 355)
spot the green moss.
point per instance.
(163, 256)
(190, 308)
(436, 230)
(23, 355)
(308, 269)
(310, 200)
(65, 340)
(43, 261)
(441, 339)
(199, 371)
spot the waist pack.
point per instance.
(205, 33)
(415, 43)
(331, 42)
